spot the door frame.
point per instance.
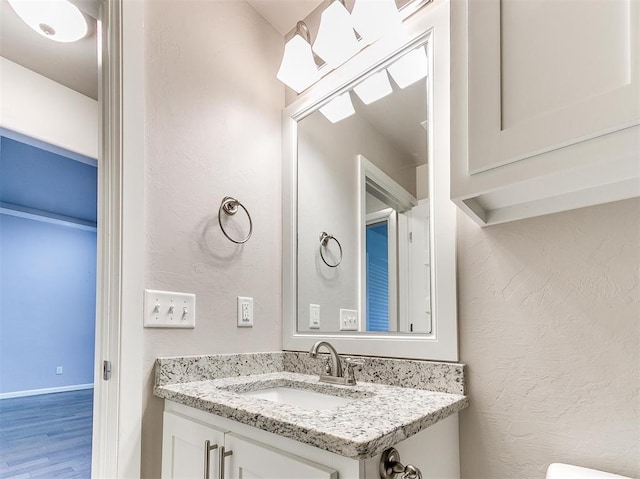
(398, 198)
(117, 419)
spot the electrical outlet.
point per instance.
(59, 370)
(166, 309)
(245, 312)
(348, 320)
(314, 316)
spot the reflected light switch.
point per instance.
(348, 320)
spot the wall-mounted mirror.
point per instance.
(369, 227)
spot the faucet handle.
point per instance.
(327, 367)
(352, 364)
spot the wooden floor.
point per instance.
(46, 436)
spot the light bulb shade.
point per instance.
(298, 70)
(373, 19)
(412, 67)
(57, 20)
(338, 109)
(336, 41)
(374, 88)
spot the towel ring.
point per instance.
(324, 240)
(230, 206)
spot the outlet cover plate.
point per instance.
(245, 312)
(314, 316)
(158, 311)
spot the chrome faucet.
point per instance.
(336, 364)
(334, 373)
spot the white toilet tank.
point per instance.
(566, 471)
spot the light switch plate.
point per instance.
(348, 320)
(167, 309)
(245, 312)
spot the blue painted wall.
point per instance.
(35, 178)
(47, 272)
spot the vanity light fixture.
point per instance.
(338, 109)
(57, 20)
(298, 69)
(336, 41)
(410, 68)
(373, 88)
(374, 19)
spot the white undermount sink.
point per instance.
(303, 398)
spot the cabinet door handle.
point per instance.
(223, 454)
(208, 447)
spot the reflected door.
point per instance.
(420, 271)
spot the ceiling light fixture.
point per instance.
(57, 20)
(410, 68)
(336, 41)
(338, 109)
(298, 69)
(373, 88)
(374, 19)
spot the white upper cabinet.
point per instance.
(545, 105)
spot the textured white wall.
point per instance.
(213, 128)
(549, 327)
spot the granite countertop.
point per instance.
(380, 415)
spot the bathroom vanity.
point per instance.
(256, 415)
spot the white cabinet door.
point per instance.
(257, 454)
(184, 449)
(254, 460)
(545, 105)
(546, 74)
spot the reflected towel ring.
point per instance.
(230, 206)
(324, 240)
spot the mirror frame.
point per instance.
(430, 26)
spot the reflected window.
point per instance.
(377, 290)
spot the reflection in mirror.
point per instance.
(363, 179)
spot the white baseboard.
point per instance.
(36, 392)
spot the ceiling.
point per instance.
(284, 14)
(74, 65)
